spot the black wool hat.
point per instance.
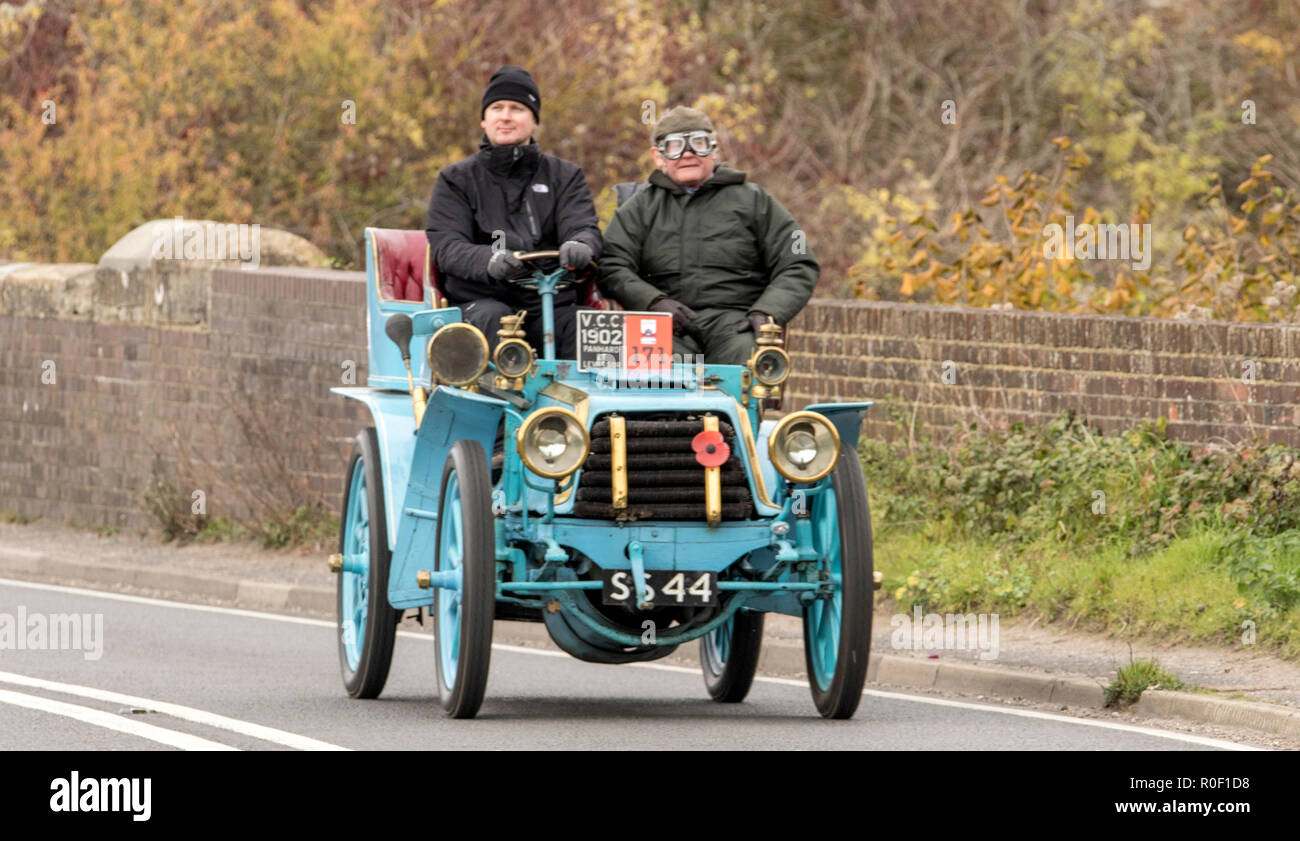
(515, 84)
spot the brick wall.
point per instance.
(1005, 367)
(237, 406)
(235, 401)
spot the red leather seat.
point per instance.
(402, 264)
(589, 296)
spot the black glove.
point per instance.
(505, 265)
(683, 317)
(753, 321)
(575, 255)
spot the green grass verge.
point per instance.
(1180, 592)
(1129, 534)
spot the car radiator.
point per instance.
(664, 480)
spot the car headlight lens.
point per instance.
(513, 358)
(552, 442)
(801, 445)
(804, 446)
(458, 354)
(771, 366)
(550, 439)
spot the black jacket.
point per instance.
(535, 201)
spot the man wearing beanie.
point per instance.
(702, 243)
(510, 197)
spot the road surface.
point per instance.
(178, 676)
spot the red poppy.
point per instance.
(710, 449)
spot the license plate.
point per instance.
(624, 340)
(664, 588)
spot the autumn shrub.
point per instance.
(923, 148)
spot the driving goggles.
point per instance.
(673, 146)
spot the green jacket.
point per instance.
(730, 245)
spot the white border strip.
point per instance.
(109, 721)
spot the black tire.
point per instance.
(477, 604)
(380, 630)
(729, 679)
(840, 698)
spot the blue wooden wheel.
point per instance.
(355, 581)
(717, 646)
(367, 624)
(451, 542)
(825, 616)
(729, 656)
(837, 628)
(465, 560)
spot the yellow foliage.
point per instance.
(1266, 47)
(233, 111)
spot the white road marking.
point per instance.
(517, 649)
(108, 720)
(202, 608)
(246, 728)
(942, 702)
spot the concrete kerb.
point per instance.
(1207, 709)
(780, 657)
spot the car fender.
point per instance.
(845, 417)
(394, 422)
(452, 415)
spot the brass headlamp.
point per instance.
(804, 446)
(513, 357)
(769, 363)
(553, 442)
(458, 355)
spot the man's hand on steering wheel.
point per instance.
(574, 255)
(504, 265)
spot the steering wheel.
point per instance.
(577, 277)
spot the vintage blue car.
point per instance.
(628, 512)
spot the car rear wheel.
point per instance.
(729, 656)
(367, 624)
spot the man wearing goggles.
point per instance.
(701, 143)
(705, 245)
